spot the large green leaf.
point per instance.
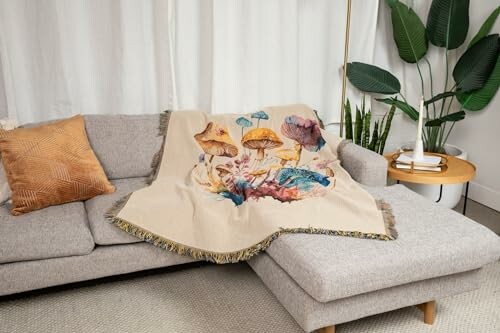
(478, 99)
(448, 22)
(476, 64)
(403, 106)
(358, 127)
(348, 120)
(371, 78)
(408, 32)
(486, 27)
(436, 98)
(456, 116)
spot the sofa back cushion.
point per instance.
(124, 144)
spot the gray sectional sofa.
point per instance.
(321, 280)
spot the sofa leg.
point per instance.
(429, 310)
(328, 329)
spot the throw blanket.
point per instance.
(228, 185)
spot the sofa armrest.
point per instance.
(364, 166)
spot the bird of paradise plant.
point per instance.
(476, 74)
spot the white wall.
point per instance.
(478, 134)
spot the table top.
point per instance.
(456, 171)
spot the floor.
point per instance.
(482, 214)
(230, 298)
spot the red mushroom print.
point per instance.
(305, 132)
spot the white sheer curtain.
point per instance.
(3, 98)
(240, 55)
(65, 57)
(102, 56)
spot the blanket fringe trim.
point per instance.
(244, 254)
(155, 163)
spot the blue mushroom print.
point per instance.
(303, 179)
(260, 115)
(243, 122)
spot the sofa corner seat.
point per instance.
(435, 250)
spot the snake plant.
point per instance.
(362, 135)
(476, 74)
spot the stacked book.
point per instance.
(430, 163)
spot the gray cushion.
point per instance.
(103, 261)
(103, 231)
(311, 314)
(364, 166)
(56, 231)
(433, 241)
(124, 144)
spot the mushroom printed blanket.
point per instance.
(227, 185)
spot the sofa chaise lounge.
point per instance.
(321, 280)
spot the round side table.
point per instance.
(456, 171)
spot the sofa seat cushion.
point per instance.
(56, 231)
(104, 232)
(433, 241)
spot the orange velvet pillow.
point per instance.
(50, 165)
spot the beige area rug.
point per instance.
(228, 298)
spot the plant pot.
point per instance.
(451, 193)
